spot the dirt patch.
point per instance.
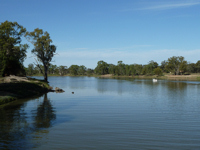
(13, 78)
(106, 75)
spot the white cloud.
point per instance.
(171, 6)
(165, 5)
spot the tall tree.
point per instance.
(176, 65)
(43, 49)
(12, 52)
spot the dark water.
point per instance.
(106, 114)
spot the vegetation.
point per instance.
(12, 52)
(43, 49)
(174, 66)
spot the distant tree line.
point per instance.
(60, 70)
(176, 65)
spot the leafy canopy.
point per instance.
(43, 49)
(12, 52)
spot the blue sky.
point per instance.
(134, 31)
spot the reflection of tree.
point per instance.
(177, 85)
(15, 125)
(45, 114)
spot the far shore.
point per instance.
(193, 76)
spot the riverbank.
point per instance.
(13, 88)
(192, 77)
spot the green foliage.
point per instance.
(30, 69)
(102, 68)
(43, 49)
(82, 70)
(177, 65)
(197, 66)
(163, 66)
(149, 69)
(89, 71)
(132, 70)
(73, 69)
(158, 71)
(12, 52)
(53, 69)
(111, 69)
(62, 70)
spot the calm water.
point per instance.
(106, 114)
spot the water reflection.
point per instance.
(130, 85)
(16, 125)
(45, 114)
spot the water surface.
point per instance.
(105, 114)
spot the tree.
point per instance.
(111, 68)
(12, 52)
(62, 70)
(158, 71)
(89, 71)
(43, 49)
(163, 66)
(30, 69)
(121, 66)
(132, 69)
(138, 69)
(128, 71)
(102, 68)
(53, 69)
(149, 69)
(191, 68)
(73, 69)
(198, 66)
(176, 65)
(82, 70)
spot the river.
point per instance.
(106, 114)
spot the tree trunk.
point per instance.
(45, 73)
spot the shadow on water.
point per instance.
(17, 124)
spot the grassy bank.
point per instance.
(18, 90)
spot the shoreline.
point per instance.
(192, 77)
(12, 90)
